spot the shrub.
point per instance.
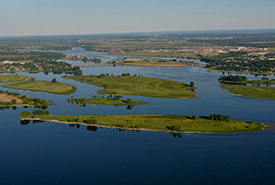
(25, 114)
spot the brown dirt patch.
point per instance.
(7, 98)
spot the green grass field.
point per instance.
(45, 86)
(174, 123)
(251, 91)
(14, 78)
(142, 86)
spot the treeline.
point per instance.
(232, 78)
(242, 80)
(14, 55)
(42, 66)
(26, 100)
(219, 117)
(25, 114)
(123, 75)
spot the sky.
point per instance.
(66, 17)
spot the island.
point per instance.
(126, 84)
(248, 88)
(148, 62)
(44, 86)
(15, 99)
(109, 100)
(169, 123)
(4, 78)
(83, 59)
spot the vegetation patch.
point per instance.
(147, 62)
(14, 78)
(102, 100)
(251, 91)
(138, 85)
(238, 85)
(45, 86)
(171, 123)
(15, 99)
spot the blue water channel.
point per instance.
(55, 153)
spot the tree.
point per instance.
(13, 101)
(192, 84)
(54, 80)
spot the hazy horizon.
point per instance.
(88, 17)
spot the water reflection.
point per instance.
(37, 121)
(24, 122)
(176, 135)
(92, 128)
(4, 108)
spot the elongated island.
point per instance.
(169, 123)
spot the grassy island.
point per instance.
(110, 100)
(15, 99)
(14, 78)
(45, 86)
(171, 123)
(251, 91)
(147, 62)
(238, 85)
(138, 85)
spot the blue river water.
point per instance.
(55, 153)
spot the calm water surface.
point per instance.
(55, 153)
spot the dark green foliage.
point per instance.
(90, 121)
(173, 128)
(232, 78)
(25, 114)
(192, 84)
(219, 117)
(54, 80)
(40, 112)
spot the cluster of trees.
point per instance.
(219, 117)
(24, 98)
(90, 121)
(25, 114)
(232, 78)
(94, 60)
(40, 112)
(174, 128)
(242, 80)
(46, 66)
(15, 55)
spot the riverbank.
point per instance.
(167, 123)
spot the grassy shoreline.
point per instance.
(44, 86)
(137, 85)
(251, 91)
(167, 123)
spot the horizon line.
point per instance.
(146, 32)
